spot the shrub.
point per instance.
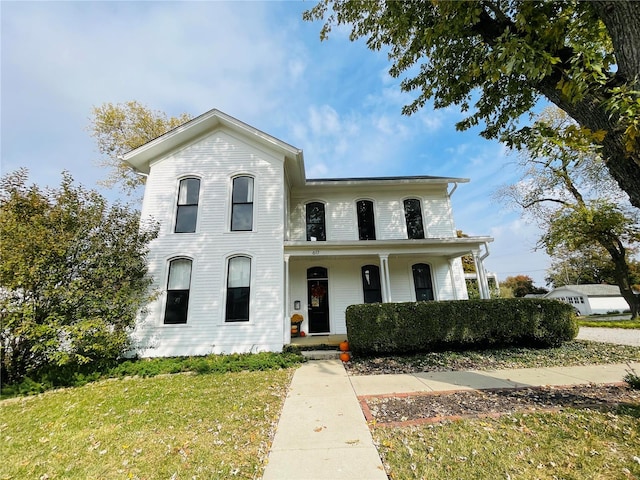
(633, 379)
(421, 326)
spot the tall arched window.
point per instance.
(242, 204)
(238, 289)
(315, 222)
(422, 282)
(371, 284)
(187, 214)
(178, 286)
(366, 220)
(413, 217)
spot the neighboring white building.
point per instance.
(590, 299)
(246, 241)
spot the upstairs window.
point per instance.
(413, 217)
(178, 287)
(315, 222)
(242, 204)
(238, 289)
(366, 221)
(371, 284)
(422, 282)
(187, 214)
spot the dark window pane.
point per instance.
(242, 217)
(366, 222)
(371, 284)
(237, 304)
(177, 304)
(317, 272)
(186, 218)
(413, 217)
(315, 222)
(422, 282)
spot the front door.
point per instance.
(318, 300)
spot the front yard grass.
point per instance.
(572, 444)
(213, 426)
(600, 322)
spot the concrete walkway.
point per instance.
(322, 432)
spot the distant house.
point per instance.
(590, 299)
(247, 241)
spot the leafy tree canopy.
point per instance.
(73, 276)
(521, 285)
(496, 58)
(565, 187)
(587, 265)
(120, 128)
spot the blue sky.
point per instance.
(256, 61)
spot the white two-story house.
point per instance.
(246, 241)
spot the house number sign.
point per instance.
(315, 252)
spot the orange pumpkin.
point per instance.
(345, 356)
(303, 334)
(344, 346)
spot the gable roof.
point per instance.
(592, 290)
(141, 157)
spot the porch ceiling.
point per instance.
(450, 247)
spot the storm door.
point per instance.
(318, 300)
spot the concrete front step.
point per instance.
(321, 354)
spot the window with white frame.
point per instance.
(242, 204)
(187, 214)
(178, 286)
(371, 284)
(366, 220)
(238, 289)
(413, 218)
(316, 230)
(422, 282)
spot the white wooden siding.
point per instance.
(341, 217)
(215, 159)
(345, 282)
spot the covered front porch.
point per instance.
(323, 278)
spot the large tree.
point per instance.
(584, 56)
(121, 127)
(73, 276)
(589, 264)
(566, 189)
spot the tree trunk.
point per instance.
(618, 255)
(622, 20)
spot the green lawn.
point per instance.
(596, 321)
(574, 444)
(213, 426)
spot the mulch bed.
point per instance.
(408, 409)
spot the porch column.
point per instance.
(385, 279)
(287, 321)
(481, 277)
(453, 279)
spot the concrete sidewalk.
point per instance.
(322, 432)
(364, 385)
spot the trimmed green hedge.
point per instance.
(422, 326)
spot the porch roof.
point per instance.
(449, 247)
